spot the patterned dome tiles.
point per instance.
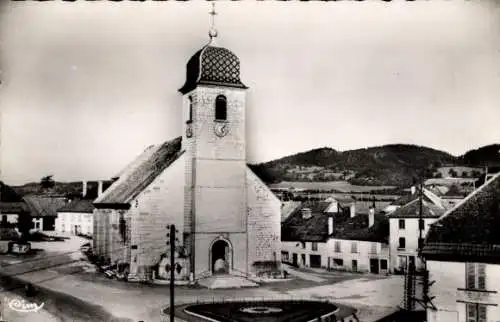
(215, 66)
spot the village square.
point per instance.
(294, 239)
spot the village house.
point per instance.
(462, 253)
(228, 221)
(304, 235)
(43, 210)
(361, 244)
(405, 224)
(321, 235)
(77, 215)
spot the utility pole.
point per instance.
(420, 216)
(172, 243)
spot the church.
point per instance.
(228, 220)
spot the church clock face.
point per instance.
(221, 129)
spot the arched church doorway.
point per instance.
(220, 257)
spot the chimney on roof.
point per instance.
(306, 213)
(371, 216)
(99, 188)
(413, 190)
(84, 188)
(352, 209)
(330, 225)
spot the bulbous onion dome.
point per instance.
(212, 65)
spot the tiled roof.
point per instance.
(412, 210)
(134, 180)
(356, 228)
(315, 228)
(471, 228)
(137, 161)
(483, 253)
(43, 206)
(78, 205)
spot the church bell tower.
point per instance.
(215, 211)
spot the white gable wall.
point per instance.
(264, 222)
(159, 205)
(66, 222)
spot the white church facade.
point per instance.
(228, 220)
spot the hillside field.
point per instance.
(341, 186)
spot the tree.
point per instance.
(47, 182)
(465, 174)
(452, 173)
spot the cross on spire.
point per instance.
(212, 32)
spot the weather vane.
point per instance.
(213, 32)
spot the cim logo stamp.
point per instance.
(23, 306)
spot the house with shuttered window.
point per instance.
(462, 252)
(354, 238)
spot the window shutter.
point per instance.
(470, 279)
(482, 313)
(471, 312)
(481, 277)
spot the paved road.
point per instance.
(44, 266)
(72, 295)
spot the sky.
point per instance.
(88, 85)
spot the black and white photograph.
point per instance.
(237, 161)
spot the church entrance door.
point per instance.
(220, 257)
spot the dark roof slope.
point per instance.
(78, 205)
(315, 228)
(131, 183)
(41, 206)
(10, 201)
(356, 228)
(471, 230)
(412, 210)
(7, 194)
